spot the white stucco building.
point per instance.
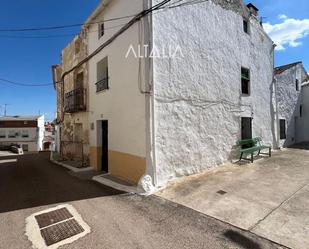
(159, 117)
(291, 103)
(303, 124)
(25, 131)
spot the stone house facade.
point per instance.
(73, 102)
(289, 80)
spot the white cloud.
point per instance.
(289, 32)
(282, 17)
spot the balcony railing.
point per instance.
(102, 85)
(75, 101)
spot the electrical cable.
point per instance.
(64, 26)
(159, 6)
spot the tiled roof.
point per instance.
(19, 118)
(281, 69)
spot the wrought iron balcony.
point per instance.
(102, 85)
(75, 101)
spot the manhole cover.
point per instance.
(61, 231)
(53, 217)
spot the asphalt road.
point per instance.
(117, 220)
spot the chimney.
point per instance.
(253, 10)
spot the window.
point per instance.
(24, 134)
(101, 29)
(102, 75)
(246, 128)
(297, 85)
(25, 147)
(12, 134)
(282, 129)
(77, 46)
(246, 26)
(300, 111)
(2, 134)
(25, 122)
(79, 82)
(245, 81)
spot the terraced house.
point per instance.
(72, 103)
(174, 84)
(25, 131)
(291, 103)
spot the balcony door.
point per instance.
(79, 82)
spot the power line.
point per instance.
(64, 26)
(79, 24)
(159, 6)
(24, 84)
(56, 36)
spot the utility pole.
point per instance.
(5, 109)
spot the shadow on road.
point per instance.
(34, 181)
(241, 240)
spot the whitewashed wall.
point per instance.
(122, 105)
(41, 130)
(303, 127)
(289, 101)
(198, 102)
(31, 140)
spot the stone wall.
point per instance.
(71, 55)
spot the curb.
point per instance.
(118, 186)
(75, 170)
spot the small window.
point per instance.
(300, 111)
(101, 29)
(25, 134)
(2, 134)
(2, 123)
(79, 82)
(246, 26)
(297, 85)
(102, 75)
(282, 129)
(25, 147)
(25, 122)
(12, 134)
(77, 46)
(245, 81)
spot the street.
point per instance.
(117, 220)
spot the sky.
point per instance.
(29, 60)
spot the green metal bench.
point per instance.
(249, 146)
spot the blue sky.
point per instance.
(29, 60)
(294, 23)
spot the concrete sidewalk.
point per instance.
(269, 197)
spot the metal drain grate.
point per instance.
(61, 231)
(53, 217)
